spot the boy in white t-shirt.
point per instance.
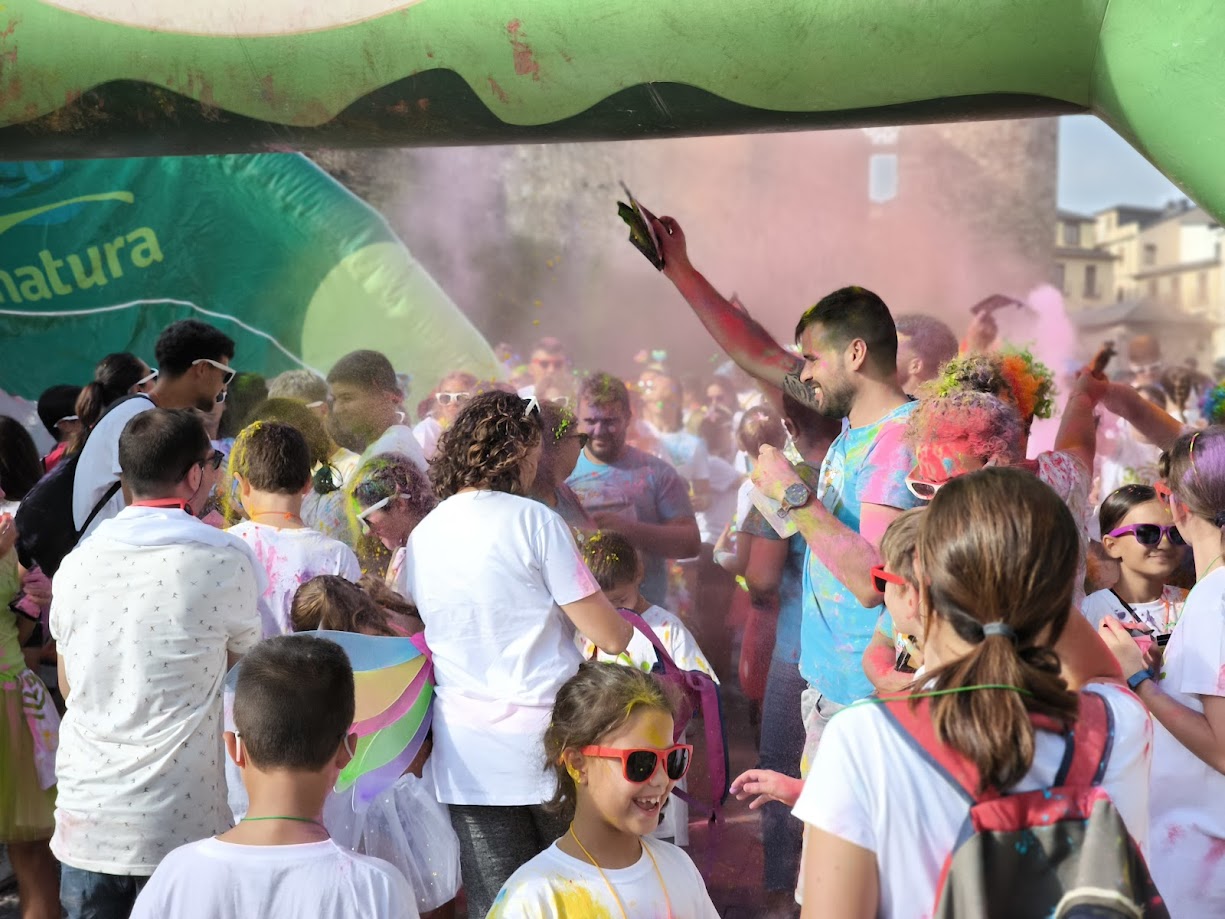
(619, 572)
(293, 707)
(272, 463)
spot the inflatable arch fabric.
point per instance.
(90, 78)
(99, 255)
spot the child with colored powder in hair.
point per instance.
(272, 463)
(619, 572)
(293, 708)
(609, 741)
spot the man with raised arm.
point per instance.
(847, 369)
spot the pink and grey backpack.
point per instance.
(699, 694)
(1054, 853)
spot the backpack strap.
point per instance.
(648, 633)
(103, 502)
(1089, 743)
(914, 722)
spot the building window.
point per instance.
(1059, 277)
(1201, 288)
(882, 177)
(1150, 253)
(1090, 282)
(1071, 234)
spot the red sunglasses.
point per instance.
(1162, 490)
(880, 576)
(641, 764)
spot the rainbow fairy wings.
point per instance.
(394, 682)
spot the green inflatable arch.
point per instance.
(89, 78)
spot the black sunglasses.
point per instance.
(214, 460)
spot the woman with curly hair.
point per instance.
(502, 589)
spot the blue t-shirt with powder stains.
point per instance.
(866, 465)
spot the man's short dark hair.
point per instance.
(550, 345)
(370, 370)
(855, 312)
(273, 457)
(158, 448)
(294, 702)
(604, 389)
(929, 338)
(190, 340)
(56, 403)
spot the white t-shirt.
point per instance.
(211, 878)
(143, 635)
(396, 439)
(488, 572)
(724, 494)
(869, 786)
(554, 885)
(291, 558)
(98, 466)
(1160, 614)
(1188, 795)
(427, 433)
(683, 649)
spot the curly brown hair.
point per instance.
(486, 446)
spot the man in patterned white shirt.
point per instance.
(150, 610)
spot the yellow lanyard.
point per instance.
(612, 890)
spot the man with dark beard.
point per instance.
(847, 369)
(193, 370)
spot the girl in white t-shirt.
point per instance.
(1188, 698)
(609, 743)
(1138, 531)
(502, 588)
(995, 560)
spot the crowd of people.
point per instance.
(854, 520)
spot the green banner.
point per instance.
(98, 256)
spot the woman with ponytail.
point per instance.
(117, 375)
(1187, 695)
(995, 561)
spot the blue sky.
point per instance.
(1097, 169)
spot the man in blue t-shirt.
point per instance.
(847, 369)
(624, 489)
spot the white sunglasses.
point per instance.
(446, 398)
(364, 517)
(229, 372)
(146, 380)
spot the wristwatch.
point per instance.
(795, 496)
(1134, 681)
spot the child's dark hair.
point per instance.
(611, 558)
(1120, 502)
(273, 457)
(330, 602)
(486, 446)
(294, 702)
(594, 702)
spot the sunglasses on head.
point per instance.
(640, 765)
(446, 398)
(1150, 534)
(880, 577)
(364, 517)
(228, 373)
(149, 378)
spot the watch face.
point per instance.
(796, 494)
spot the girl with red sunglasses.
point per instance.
(610, 743)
